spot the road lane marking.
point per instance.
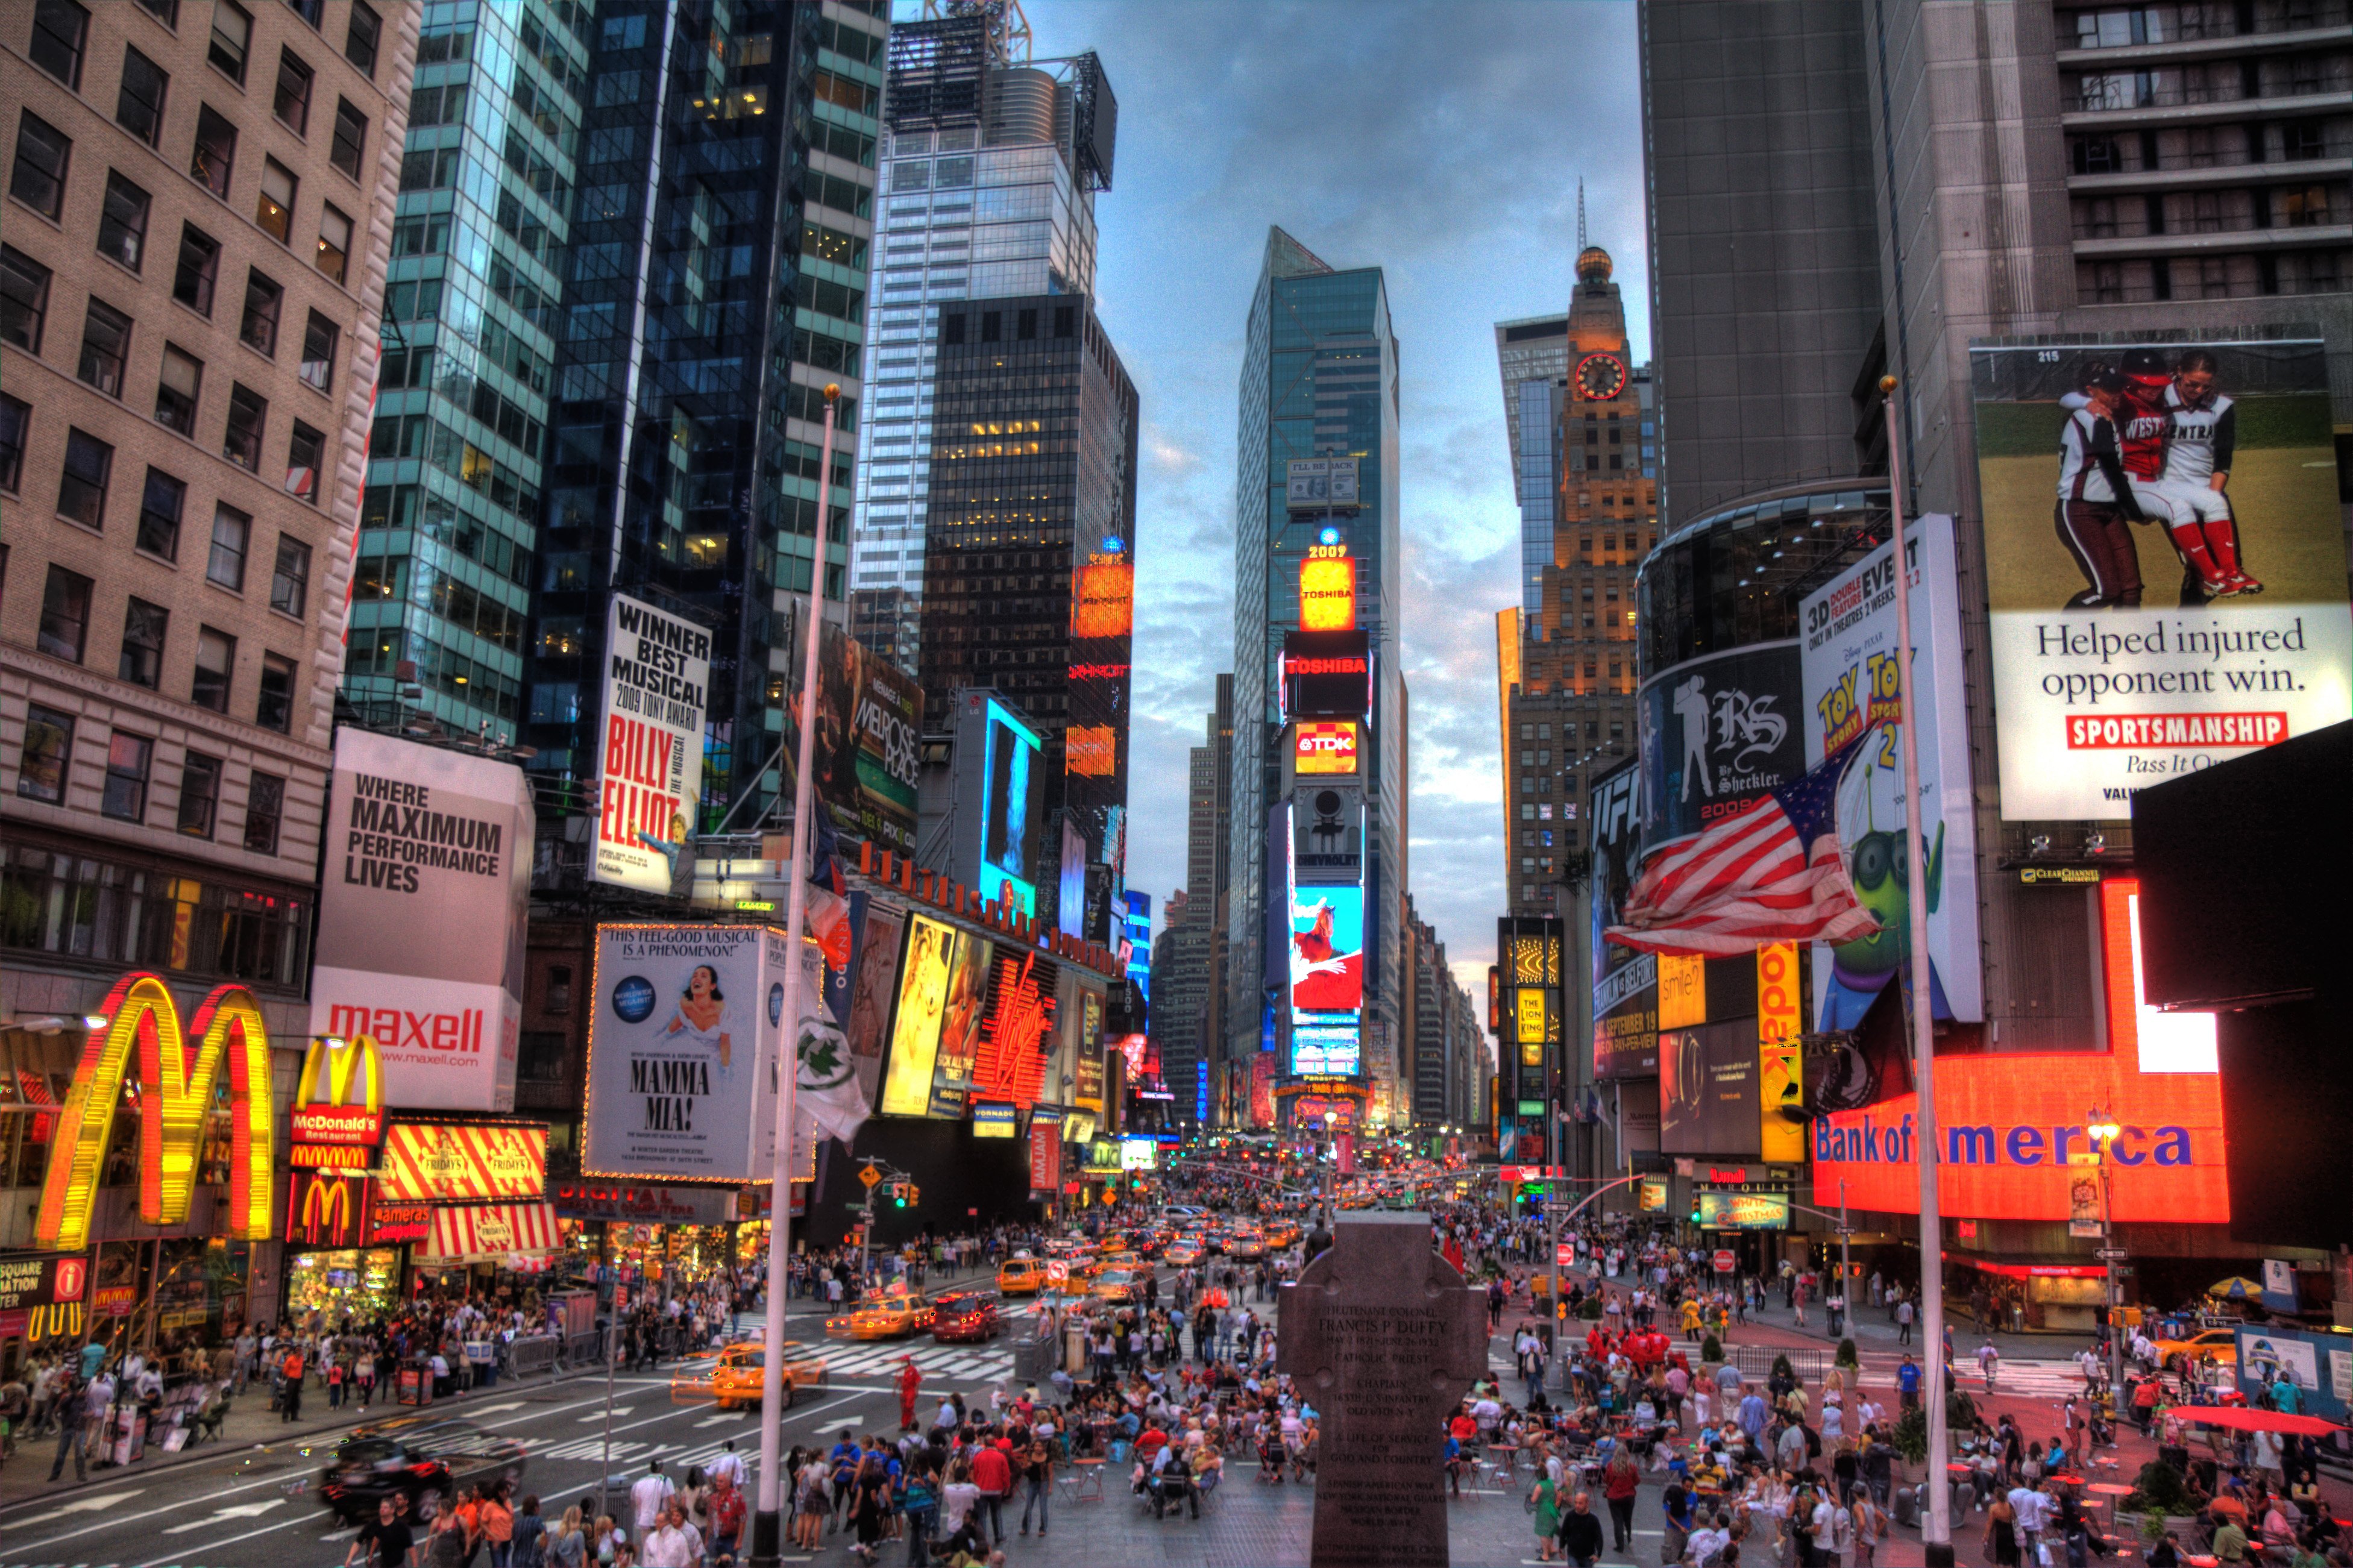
(599, 1415)
(194, 1552)
(80, 1505)
(221, 1516)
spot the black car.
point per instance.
(414, 1456)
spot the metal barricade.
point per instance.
(1757, 1361)
(531, 1354)
(590, 1349)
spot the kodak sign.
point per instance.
(139, 1038)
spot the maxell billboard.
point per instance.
(657, 692)
(421, 915)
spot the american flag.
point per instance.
(1773, 873)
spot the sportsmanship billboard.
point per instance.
(421, 918)
(657, 693)
(1719, 733)
(868, 714)
(683, 1039)
(1848, 629)
(2165, 562)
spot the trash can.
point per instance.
(413, 1383)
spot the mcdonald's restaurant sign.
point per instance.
(140, 1039)
(339, 1099)
(329, 1208)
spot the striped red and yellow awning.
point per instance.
(488, 1232)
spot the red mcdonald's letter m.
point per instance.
(141, 1038)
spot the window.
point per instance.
(225, 565)
(311, 11)
(139, 102)
(48, 746)
(265, 802)
(60, 33)
(128, 758)
(232, 38)
(262, 297)
(65, 614)
(200, 778)
(216, 152)
(317, 352)
(176, 391)
(335, 244)
(292, 102)
(351, 138)
(241, 440)
(274, 210)
(164, 11)
(38, 178)
(122, 222)
(289, 580)
(360, 41)
(559, 989)
(216, 663)
(15, 418)
(143, 640)
(23, 299)
(159, 515)
(81, 488)
(275, 709)
(105, 344)
(192, 284)
(304, 455)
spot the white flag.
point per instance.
(831, 1102)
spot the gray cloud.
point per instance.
(1442, 141)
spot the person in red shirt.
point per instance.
(1152, 1440)
(992, 1472)
(910, 1379)
(726, 1517)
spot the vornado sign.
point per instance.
(138, 1038)
(421, 919)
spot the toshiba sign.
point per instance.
(1325, 748)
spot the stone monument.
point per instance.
(1383, 1338)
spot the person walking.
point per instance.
(911, 1383)
(1545, 1500)
(1904, 1320)
(1620, 1481)
(1580, 1533)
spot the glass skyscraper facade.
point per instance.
(992, 169)
(449, 530)
(714, 282)
(1319, 379)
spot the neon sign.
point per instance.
(1325, 747)
(1327, 590)
(176, 1088)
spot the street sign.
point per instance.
(1725, 1262)
(1565, 1254)
(2111, 1253)
(1058, 1271)
(870, 1176)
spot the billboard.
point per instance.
(1327, 589)
(422, 910)
(1718, 734)
(2151, 1040)
(1742, 1211)
(866, 1022)
(1016, 1033)
(1780, 1020)
(936, 1032)
(1327, 831)
(1708, 1090)
(1848, 630)
(1000, 766)
(1105, 603)
(683, 1044)
(656, 697)
(868, 714)
(1324, 746)
(1327, 978)
(2198, 614)
(1625, 983)
(1326, 675)
(468, 1161)
(1313, 484)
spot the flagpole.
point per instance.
(767, 1523)
(1938, 1537)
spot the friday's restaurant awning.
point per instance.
(489, 1233)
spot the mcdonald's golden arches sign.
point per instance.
(339, 1099)
(329, 1208)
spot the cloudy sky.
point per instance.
(1442, 141)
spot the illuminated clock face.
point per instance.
(1600, 377)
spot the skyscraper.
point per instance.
(1319, 386)
(449, 543)
(190, 286)
(715, 281)
(1533, 354)
(1030, 541)
(995, 161)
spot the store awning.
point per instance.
(489, 1233)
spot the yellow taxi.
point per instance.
(1021, 1275)
(1117, 1287)
(1283, 1233)
(895, 1315)
(734, 1382)
(2221, 1344)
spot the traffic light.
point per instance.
(899, 1194)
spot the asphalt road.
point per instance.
(250, 1508)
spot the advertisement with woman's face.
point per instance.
(681, 1052)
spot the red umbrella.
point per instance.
(2255, 1420)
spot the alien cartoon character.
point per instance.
(1872, 792)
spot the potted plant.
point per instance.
(1847, 1355)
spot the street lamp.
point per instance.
(1331, 1159)
(2102, 1130)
